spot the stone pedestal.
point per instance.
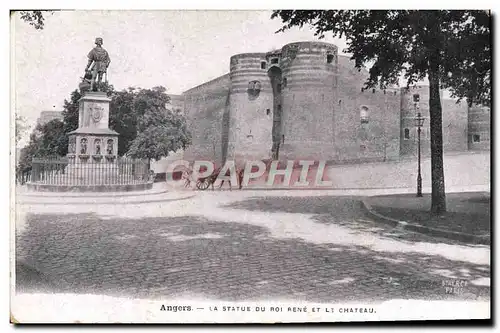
(93, 147)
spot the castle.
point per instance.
(305, 101)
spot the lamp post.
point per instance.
(419, 120)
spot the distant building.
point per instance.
(46, 116)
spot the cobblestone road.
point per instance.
(236, 246)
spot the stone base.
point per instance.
(90, 188)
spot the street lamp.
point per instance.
(419, 121)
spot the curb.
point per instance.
(325, 188)
(106, 202)
(42, 194)
(436, 232)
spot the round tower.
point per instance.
(309, 88)
(250, 108)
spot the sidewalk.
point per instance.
(467, 218)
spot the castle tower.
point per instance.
(309, 88)
(250, 108)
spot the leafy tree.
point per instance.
(70, 118)
(53, 140)
(35, 18)
(451, 48)
(123, 118)
(47, 140)
(160, 131)
(21, 127)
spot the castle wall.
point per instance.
(176, 102)
(479, 127)
(204, 107)
(367, 123)
(250, 111)
(454, 123)
(310, 100)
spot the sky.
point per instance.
(174, 49)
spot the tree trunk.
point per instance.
(436, 123)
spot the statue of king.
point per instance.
(97, 65)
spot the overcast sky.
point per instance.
(175, 49)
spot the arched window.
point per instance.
(263, 65)
(285, 82)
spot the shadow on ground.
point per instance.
(195, 257)
(467, 212)
(346, 211)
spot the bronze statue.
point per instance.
(98, 65)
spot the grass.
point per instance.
(466, 212)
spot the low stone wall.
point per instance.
(90, 188)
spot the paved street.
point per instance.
(240, 245)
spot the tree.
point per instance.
(451, 48)
(47, 140)
(35, 17)
(160, 131)
(21, 127)
(123, 118)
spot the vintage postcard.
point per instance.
(181, 166)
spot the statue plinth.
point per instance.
(93, 142)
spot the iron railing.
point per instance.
(64, 171)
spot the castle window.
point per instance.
(283, 138)
(263, 65)
(364, 115)
(285, 82)
(416, 98)
(476, 138)
(407, 134)
(373, 91)
(329, 58)
(268, 111)
(274, 60)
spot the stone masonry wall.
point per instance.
(376, 136)
(204, 107)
